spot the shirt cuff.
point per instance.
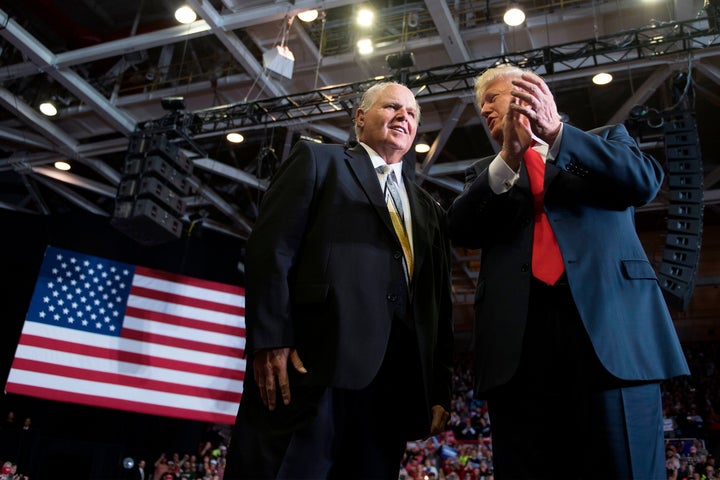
(501, 177)
(555, 147)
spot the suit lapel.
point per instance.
(360, 165)
(419, 209)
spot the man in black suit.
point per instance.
(569, 353)
(349, 329)
(139, 471)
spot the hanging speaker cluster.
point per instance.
(150, 199)
(681, 255)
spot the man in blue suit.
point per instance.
(348, 308)
(570, 365)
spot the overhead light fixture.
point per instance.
(308, 15)
(280, 59)
(365, 46)
(514, 16)
(60, 165)
(172, 104)
(48, 108)
(234, 137)
(422, 146)
(185, 15)
(602, 78)
(365, 17)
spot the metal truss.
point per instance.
(644, 44)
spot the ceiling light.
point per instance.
(308, 15)
(514, 16)
(185, 15)
(602, 78)
(48, 108)
(365, 17)
(234, 137)
(172, 104)
(64, 166)
(422, 145)
(365, 46)
(279, 59)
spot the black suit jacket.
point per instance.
(324, 272)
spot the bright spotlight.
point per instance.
(602, 78)
(365, 46)
(234, 137)
(47, 108)
(365, 17)
(185, 15)
(514, 17)
(308, 15)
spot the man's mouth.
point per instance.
(399, 129)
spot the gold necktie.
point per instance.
(395, 208)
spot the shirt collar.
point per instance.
(377, 161)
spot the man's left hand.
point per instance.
(538, 105)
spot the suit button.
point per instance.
(392, 297)
(397, 255)
(525, 268)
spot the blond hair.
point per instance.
(494, 73)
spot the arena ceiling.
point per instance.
(108, 65)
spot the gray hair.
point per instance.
(368, 99)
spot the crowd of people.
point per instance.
(690, 405)
(208, 463)
(464, 450)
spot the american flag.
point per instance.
(109, 334)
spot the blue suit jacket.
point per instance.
(324, 272)
(591, 190)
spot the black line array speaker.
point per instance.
(150, 199)
(681, 255)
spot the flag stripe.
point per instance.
(213, 379)
(183, 322)
(222, 320)
(125, 380)
(88, 387)
(150, 337)
(184, 300)
(120, 404)
(104, 333)
(215, 288)
(143, 359)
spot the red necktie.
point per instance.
(547, 264)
